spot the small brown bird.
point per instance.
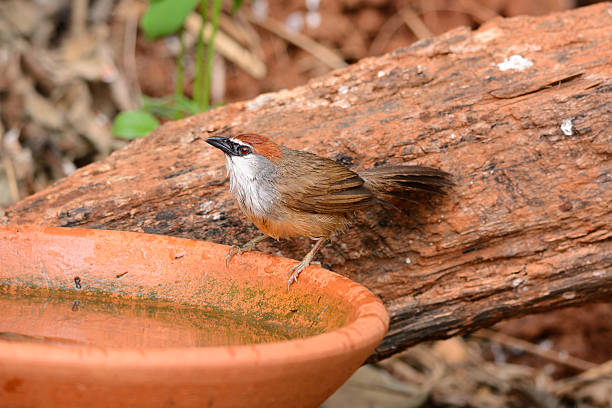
(288, 193)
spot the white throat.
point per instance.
(252, 182)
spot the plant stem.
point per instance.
(214, 21)
(180, 71)
(198, 86)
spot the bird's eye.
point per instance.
(244, 150)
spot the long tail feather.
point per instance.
(404, 181)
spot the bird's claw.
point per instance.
(235, 249)
(294, 272)
(249, 246)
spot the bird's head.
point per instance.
(249, 156)
(245, 145)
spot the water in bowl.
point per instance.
(73, 319)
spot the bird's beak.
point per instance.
(221, 143)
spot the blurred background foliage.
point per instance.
(164, 18)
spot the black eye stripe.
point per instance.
(241, 150)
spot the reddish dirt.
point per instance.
(583, 332)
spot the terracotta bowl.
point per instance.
(114, 358)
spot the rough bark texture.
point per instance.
(528, 227)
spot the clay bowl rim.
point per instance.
(369, 326)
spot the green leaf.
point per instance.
(134, 124)
(187, 106)
(165, 17)
(237, 4)
(168, 106)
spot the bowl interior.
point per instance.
(117, 289)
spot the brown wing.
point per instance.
(320, 185)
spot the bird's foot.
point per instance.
(249, 246)
(235, 249)
(295, 271)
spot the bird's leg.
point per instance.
(295, 271)
(249, 246)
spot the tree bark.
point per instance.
(528, 227)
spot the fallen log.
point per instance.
(519, 111)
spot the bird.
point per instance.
(288, 193)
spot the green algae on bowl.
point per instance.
(74, 318)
